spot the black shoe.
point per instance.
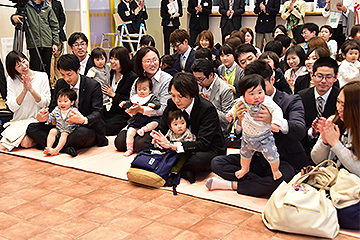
(71, 151)
(188, 175)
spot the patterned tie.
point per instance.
(77, 94)
(182, 62)
(320, 102)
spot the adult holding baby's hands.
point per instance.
(89, 103)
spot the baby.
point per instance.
(140, 123)
(178, 132)
(65, 101)
(257, 135)
(100, 71)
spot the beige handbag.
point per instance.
(299, 208)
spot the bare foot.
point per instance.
(277, 174)
(239, 174)
(53, 151)
(128, 153)
(46, 151)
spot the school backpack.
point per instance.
(153, 168)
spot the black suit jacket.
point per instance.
(202, 17)
(238, 7)
(205, 125)
(289, 145)
(89, 65)
(166, 17)
(310, 105)
(59, 12)
(266, 21)
(122, 92)
(140, 18)
(90, 101)
(126, 15)
(189, 62)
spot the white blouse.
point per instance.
(29, 107)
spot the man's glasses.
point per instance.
(177, 45)
(327, 78)
(79, 44)
(201, 79)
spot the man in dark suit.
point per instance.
(199, 19)
(230, 11)
(266, 21)
(89, 103)
(170, 21)
(78, 43)
(203, 122)
(259, 181)
(184, 55)
(320, 100)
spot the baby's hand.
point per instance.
(122, 104)
(152, 105)
(229, 116)
(275, 127)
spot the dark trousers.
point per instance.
(339, 36)
(35, 64)
(227, 29)
(140, 143)
(167, 31)
(259, 181)
(194, 32)
(196, 162)
(82, 137)
(349, 217)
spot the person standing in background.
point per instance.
(199, 20)
(170, 11)
(230, 11)
(60, 15)
(341, 21)
(265, 23)
(45, 29)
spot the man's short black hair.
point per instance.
(284, 40)
(203, 65)
(69, 62)
(312, 27)
(259, 67)
(67, 92)
(326, 62)
(245, 48)
(250, 82)
(274, 46)
(75, 36)
(203, 53)
(185, 84)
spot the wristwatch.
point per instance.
(171, 144)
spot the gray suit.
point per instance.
(239, 74)
(222, 98)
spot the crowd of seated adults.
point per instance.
(302, 79)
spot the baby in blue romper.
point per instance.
(65, 101)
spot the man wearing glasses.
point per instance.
(320, 100)
(78, 43)
(184, 55)
(214, 89)
(309, 30)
